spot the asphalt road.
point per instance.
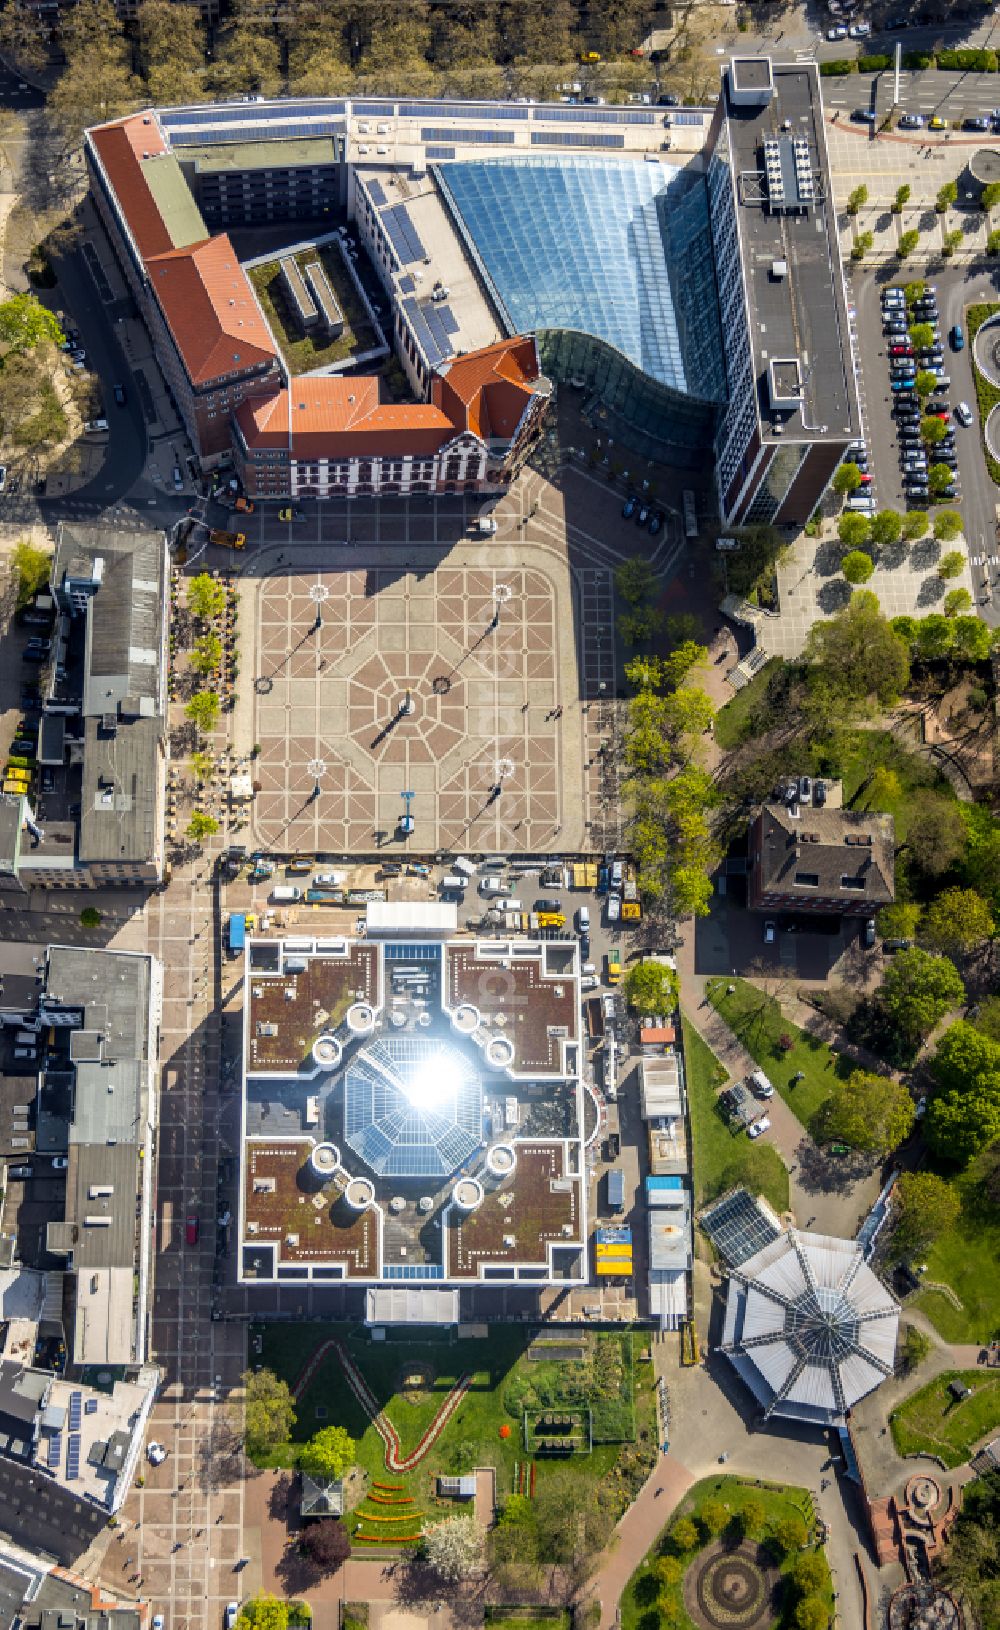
(957, 287)
(955, 96)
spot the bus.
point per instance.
(690, 514)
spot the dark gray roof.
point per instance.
(825, 847)
(119, 822)
(111, 987)
(125, 618)
(802, 314)
(10, 832)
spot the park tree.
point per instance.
(914, 291)
(171, 51)
(690, 891)
(970, 1563)
(922, 336)
(651, 987)
(862, 245)
(669, 1570)
(857, 567)
(97, 83)
(933, 637)
(957, 920)
(914, 1347)
(855, 658)
(206, 598)
(990, 196)
(203, 710)
(946, 196)
(917, 991)
(947, 525)
(247, 53)
(898, 921)
(902, 197)
(753, 1517)
(853, 530)
(812, 1613)
(925, 382)
(887, 528)
(935, 831)
(326, 1544)
(328, 1454)
(789, 1534)
(90, 917)
(201, 826)
(713, 1516)
(268, 1411)
(907, 243)
(635, 580)
(688, 712)
(964, 1055)
(950, 565)
(959, 1125)
(809, 1573)
(939, 478)
(870, 1112)
(683, 1534)
(25, 324)
(31, 566)
(956, 601)
(916, 522)
(573, 1524)
(953, 241)
(993, 243)
(924, 1206)
(679, 663)
(635, 627)
(857, 199)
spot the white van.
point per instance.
(285, 894)
(759, 1085)
(510, 906)
(28, 1054)
(861, 503)
(455, 881)
(464, 866)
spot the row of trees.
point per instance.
(327, 47)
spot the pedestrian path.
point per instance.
(637, 1532)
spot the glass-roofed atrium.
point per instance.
(608, 247)
(413, 1107)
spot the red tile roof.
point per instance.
(211, 310)
(488, 390)
(343, 418)
(120, 148)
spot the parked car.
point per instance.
(758, 1127)
(838, 33)
(860, 31)
(329, 880)
(191, 1231)
(976, 121)
(629, 507)
(956, 337)
(119, 395)
(94, 427)
(540, 905)
(655, 522)
(864, 116)
(868, 936)
(770, 932)
(643, 515)
(963, 413)
(819, 793)
(911, 121)
(230, 1616)
(935, 122)
(903, 349)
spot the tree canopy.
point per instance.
(328, 1454)
(957, 920)
(32, 566)
(917, 992)
(651, 987)
(856, 658)
(325, 1543)
(269, 1413)
(856, 566)
(924, 1206)
(25, 324)
(454, 1549)
(935, 831)
(964, 1115)
(870, 1112)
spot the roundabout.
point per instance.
(732, 1588)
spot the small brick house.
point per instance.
(820, 860)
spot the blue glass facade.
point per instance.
(605, 247)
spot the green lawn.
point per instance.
(644, 1590)
(854, 755)
(735, 722)
(303, 352)
(759, 1024)
(528, 1618)
(504, 1382)
(966, 1258)
(720, 1159)
(932, 1422)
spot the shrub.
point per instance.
(837, 69)
(857, 567)
(907, 243)
(968, 61)
(875, 64)
(918, 60)
(950, 565)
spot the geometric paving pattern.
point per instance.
(331, 708)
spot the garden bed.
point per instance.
(933, 1422)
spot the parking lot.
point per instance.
(956, 289)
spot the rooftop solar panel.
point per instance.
(464, 133)
(576, 138)
(593, 116)
(449, 322)
(403, 235)
(373, 110)
(377, 194)
(90, 1407)
(683, 118)
(73, 1457)
(54, 1450)
(440, 152)
(422, 333)
(75, 1405)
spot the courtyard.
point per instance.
(447, 683)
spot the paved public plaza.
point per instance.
(446, 682)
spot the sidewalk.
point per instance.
(637, 1532)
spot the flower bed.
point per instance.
(383, 1499)
(379, 1516)
(394, 1459)
(386, 1539)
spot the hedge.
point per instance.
(987, 395)
(873, 65)
(837, 69)
(981, 62)
(917, 59)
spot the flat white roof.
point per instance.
(437, 917)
